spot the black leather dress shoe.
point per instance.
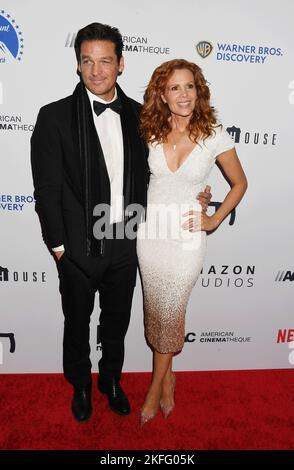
(118, 401)
(81, 403)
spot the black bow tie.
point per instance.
(100, 107)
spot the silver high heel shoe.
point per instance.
(167, 409)
(145, 417)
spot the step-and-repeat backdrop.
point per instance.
(240, 314)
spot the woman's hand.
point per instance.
(199, 221)
(204, 198)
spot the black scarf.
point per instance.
(96, 184)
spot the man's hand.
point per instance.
(204, 198)
(58, 254)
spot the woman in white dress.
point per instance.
(184, 140)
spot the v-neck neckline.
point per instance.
(182, 164)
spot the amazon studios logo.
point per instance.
(24, 276)
(228, 276)
(232, 52)
(11, 40)
(11, 339)
(252, 137)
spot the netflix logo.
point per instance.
(285, 336)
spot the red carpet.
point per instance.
(214, 410)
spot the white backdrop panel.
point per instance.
(239, 315)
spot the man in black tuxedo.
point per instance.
(87, 152)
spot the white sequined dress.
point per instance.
(171, 258)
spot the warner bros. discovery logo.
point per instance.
(204, 48)
(11, 39)
(11, 342)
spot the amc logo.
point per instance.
(283, 276)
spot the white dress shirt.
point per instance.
(108, 126)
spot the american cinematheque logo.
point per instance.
(16, 123)
(132, 43)
(217, 337)
(234, 52)
(11, 39)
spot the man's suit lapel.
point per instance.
(95, 180)
(134, 167)
(133, 148)
(127, 152)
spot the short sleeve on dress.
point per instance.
(224, 141)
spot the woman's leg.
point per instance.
(167, 399)
(161, 366)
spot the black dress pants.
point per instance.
(114, 277)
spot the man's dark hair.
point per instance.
(100, 32)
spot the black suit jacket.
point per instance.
(58, 171)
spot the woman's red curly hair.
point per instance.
(155, 115)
